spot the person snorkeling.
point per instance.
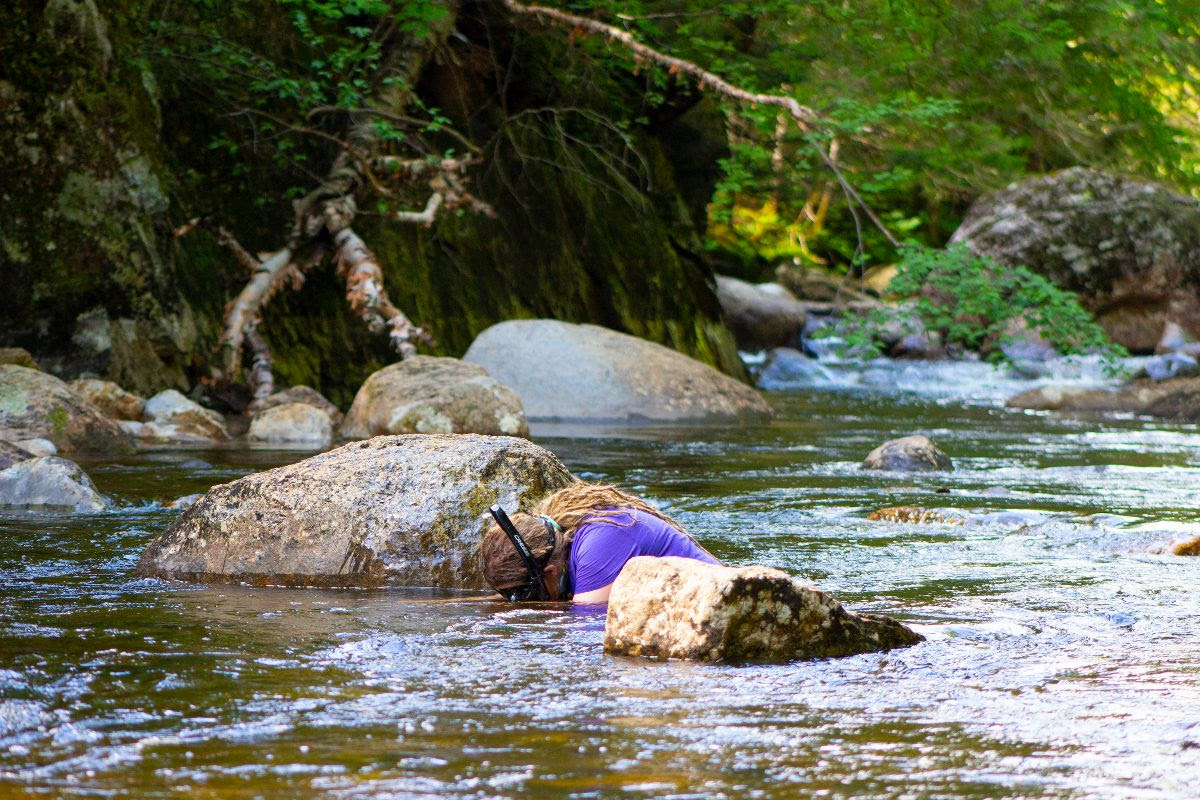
(575, 544)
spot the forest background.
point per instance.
(149, 147)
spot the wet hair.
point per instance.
(578, 503)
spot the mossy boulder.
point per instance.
(1129, 249)
(408, 510)
(34, 405)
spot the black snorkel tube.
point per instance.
(537, 583)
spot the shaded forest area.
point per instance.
(149, 148)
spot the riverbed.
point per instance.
(1062, 657)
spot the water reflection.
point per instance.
(1061, 661)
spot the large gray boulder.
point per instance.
(908, 454)
(1130, 249)
(34, 405)
(425, 394)
(760, 317)
(585, 373)
(682, 608)
(407, 510)
(48, 482)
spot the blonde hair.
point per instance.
(501, 564)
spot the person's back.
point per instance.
(602, 545)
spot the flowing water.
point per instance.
(1062, 660)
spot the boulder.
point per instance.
(1177, 398)
(1129, 249)
(425, 394)
(110, 398)
(34, 405)
(172, 417)
(37, 447)
(298, 394)
(759, 317)
(908, 454)
(785, 368)
(405, 510)
(292, 423)
(682, 608)
(18, 356)
(1170, 365)
(12, 453)
(587, 373)
(48, 482)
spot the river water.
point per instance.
(1062, 660)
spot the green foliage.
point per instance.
(930, 104)
(973, 300)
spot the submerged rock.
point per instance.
(760, 317)
(292, 423)
(587, 373)
(299, 394)
(34, 405)
(908, 454)
(405, 510)
(172, 417)
(49, 482)
(681, 608)
(424, 394)
(110, 398)
(1129, 249)
(917, 516)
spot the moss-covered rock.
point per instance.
(1130, 249)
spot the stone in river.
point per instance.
(110, 398)
(172, 417)
(1171, 365)
(760, 317)
(34, 405)
(682, 608)
(908, 454)
(49, 482)
(298, 394)
(407, 510)
(425, 394)
(586, 373)
(292, 423)
(18, 356)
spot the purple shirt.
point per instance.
(602, 546)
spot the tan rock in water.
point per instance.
(299, 394)
(908, 454)
(426, 394)
(34, 405)
(916, 516)
(172, 417)
(292, 423)
(682, 608)
(110, 398)
(407, 510)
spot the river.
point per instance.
(1062, 660)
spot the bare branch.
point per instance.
(368, 298)
(425, 217)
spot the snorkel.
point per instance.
(536, 589)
